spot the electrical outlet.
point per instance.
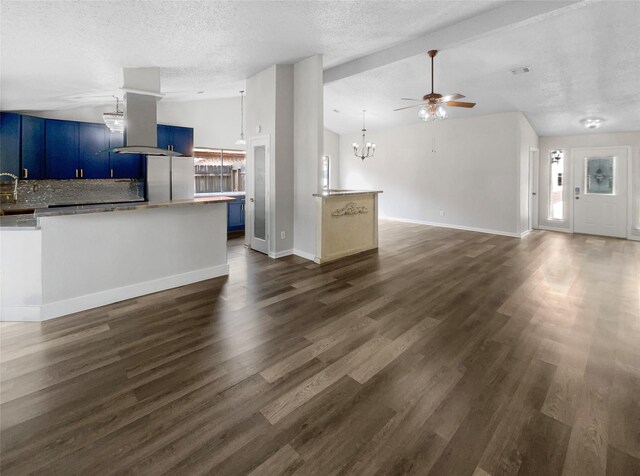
(441, 213)
(283, 235)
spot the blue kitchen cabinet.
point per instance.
(61, 146)
(123, 165)
(235, 215)
(179, 139)
(182, 140)
(10, 143)
(164, 136)
(93, 140)
(32, 147)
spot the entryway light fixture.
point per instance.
(241, 140)
(592, 122)
(556, 155)
(368, 149)
(114, 120)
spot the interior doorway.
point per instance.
(600, 191)
(258, 194)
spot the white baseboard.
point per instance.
(456, 227)
(634, 238)
(280, 254)
(102, 298)
(304, 254)
(525, 233)
(551, 228)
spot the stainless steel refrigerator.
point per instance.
(169, 178)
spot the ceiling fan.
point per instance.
(432, 104)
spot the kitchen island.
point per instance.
(64, 260)
(347, 223)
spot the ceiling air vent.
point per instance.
(523, 70)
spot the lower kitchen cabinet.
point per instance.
(235, 215)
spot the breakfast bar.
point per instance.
(63, 260)
(347, 223)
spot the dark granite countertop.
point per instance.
(339, 193)
(31, 220)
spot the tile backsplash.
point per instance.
(73, 192)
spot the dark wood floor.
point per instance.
(445, 353)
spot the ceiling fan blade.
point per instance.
(407, 107)
(450, 97)
(460, 104)
(410, 99)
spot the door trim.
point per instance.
(627, 148)
(264, 140)
(534, 186)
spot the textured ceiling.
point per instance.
(585, 62)
(68, 53)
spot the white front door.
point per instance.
(600, 183)
(259, 195)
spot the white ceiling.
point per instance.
(585, 62)
(62, 53)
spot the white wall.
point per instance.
(547, 144)
(308, 149)
(81, 114)
(216, 122)
(284, 166)
(269, 106)
(527, 140)
(332, 149)
(473, 176)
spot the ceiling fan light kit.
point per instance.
(432, 106)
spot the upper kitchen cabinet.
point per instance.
(179, 139)
(93, 158)
(32, 145)
(123, 165)
(10, 143)
(61, 147)
(164, 137)
(183, 140)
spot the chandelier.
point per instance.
(367, 149)
(241, 140)
(114, 120)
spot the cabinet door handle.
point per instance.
(76, 173)
(25, 172)
(81, 173)
(111, 173)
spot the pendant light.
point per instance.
(367, 149)
(114, 120)
(241, 140)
